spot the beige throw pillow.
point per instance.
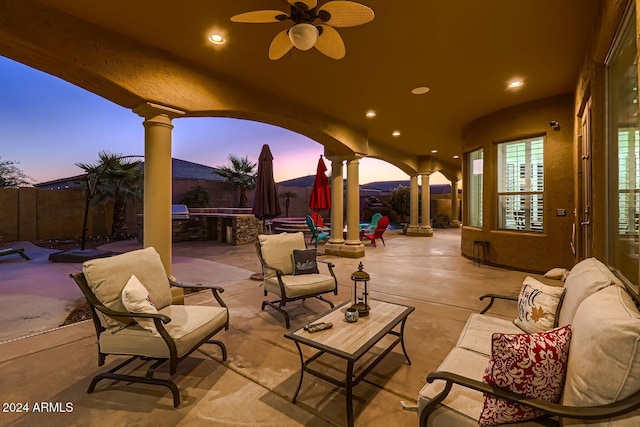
(537, 306)
(136, 299)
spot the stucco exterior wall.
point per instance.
(516, 249)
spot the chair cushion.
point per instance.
(538, 306)
(189, 325)
(534, 365)
(107, 277)
(604, 366)
(302, 285)
(585, 278)
(277, 249)
(304, 262)
(136, 299)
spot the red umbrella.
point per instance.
(265, 203)
(320, 194)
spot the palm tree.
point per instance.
(113, 178)
(241, 174)
(287, 196)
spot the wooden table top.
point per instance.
(351, 340)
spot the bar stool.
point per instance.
(481, 246)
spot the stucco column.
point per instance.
(337, 201)
(455, 205)
(425, 224)
(158, 178)
(353, 247)
(414, 229)
(413, 204)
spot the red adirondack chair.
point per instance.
(379, 231)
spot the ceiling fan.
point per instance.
(305, 34)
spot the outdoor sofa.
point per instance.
(596, 384)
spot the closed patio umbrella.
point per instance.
(320, 194)
(266, 204)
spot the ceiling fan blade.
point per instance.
(330, 43)
(280, 45)
(260, 16)
(310, 3)
(346, 13)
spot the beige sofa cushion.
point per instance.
(462, 406)
(585, 278)
(277, 250)
(604, 356)
(479, 329)
(189, 325)
(108, 276)
(461, 400)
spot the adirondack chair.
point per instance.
(378, 232)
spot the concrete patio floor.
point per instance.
(255, 385)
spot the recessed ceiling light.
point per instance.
(456, 157)
(515, 84)
(420, 90)
(370, 114)
(396, 133)
(216, 39)
(434, 151)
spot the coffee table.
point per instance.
(351, 341)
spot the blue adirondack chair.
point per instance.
(316, 235)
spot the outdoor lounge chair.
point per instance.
(11, 251)
(130, 301)
(318, 221)
(316, 233)
(291, 272)
(379, 231)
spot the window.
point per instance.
(624, 152)
(521, 185)
(475, 187)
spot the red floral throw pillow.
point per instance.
(534, 365)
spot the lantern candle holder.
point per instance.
(360, 300)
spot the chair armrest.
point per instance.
(495, 297)
(163, 317)
(215, 290)
(330, 265)
(555, 409)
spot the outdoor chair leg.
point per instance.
(278, 307)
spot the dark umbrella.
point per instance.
(265, 202)
(320, 194)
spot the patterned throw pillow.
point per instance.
(304, 262)
(534, 365)
(538, 306)
(136, 299)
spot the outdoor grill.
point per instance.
(179, 212)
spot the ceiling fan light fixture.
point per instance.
(303, 36)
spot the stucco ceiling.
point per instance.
(465, 51)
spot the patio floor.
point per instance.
(255, 385)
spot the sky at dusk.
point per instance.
(48, 125)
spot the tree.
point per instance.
(241, 174)
(196, 197)
(287, 196)
(11, 176)
(400, 200)
(113, 178)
